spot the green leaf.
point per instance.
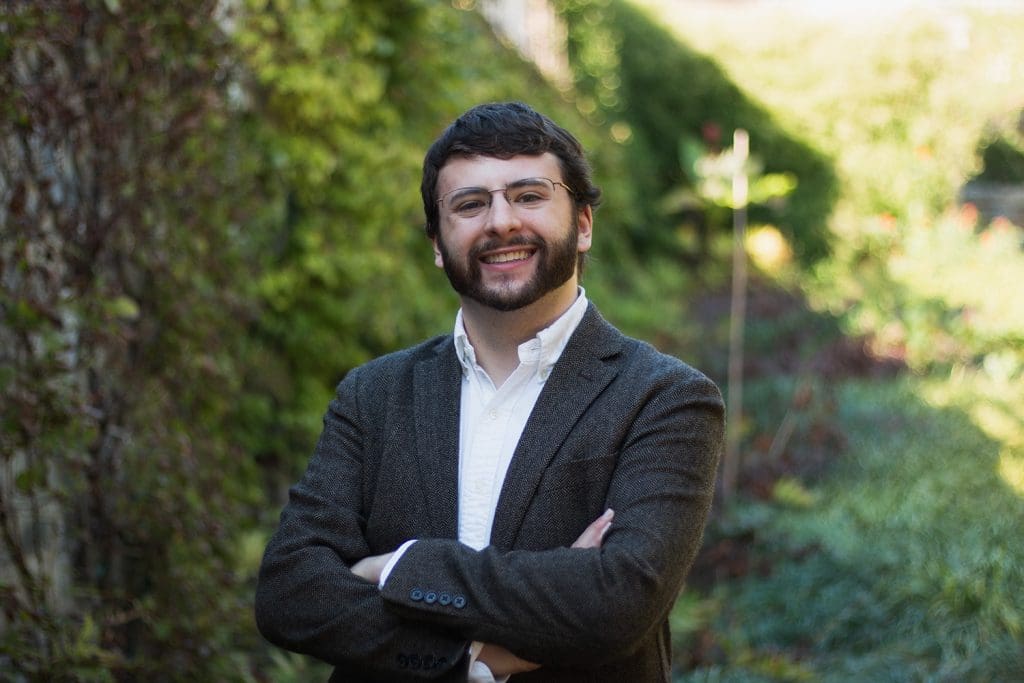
(123, 307)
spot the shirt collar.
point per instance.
(543, 350)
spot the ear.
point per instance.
(438, 259)
(585, 228)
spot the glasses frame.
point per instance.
(503, 190)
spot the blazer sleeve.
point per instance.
(583, 608)
(307, 599)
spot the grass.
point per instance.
(905, 563)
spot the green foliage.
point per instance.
(900, 564)
(884, 95)
(1002, 157)
(711, 175)
(928, 291)
(893, 567)
(209, 216)
(635, 74)
(121, 488)
(209, 213)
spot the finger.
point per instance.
(502, 662)
(594, 533)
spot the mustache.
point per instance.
(517, 241)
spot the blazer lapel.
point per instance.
(436, 395)
(580, 375)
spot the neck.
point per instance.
(496, 335)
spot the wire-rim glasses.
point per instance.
(526, 194)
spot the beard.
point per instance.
(556, 263)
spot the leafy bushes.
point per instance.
(887, 99)
(636, 75)
(894, 568)
(123, 302)
(896, 563)
(929, 291)
(209, 214)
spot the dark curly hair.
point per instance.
(504, 130)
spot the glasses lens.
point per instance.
(528, 193)
(469, 202)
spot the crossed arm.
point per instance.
(578, 606)
(498, 659)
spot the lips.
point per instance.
(507, 256)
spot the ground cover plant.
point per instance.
(902, 564)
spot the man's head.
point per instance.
(509, 204)
(504, 130)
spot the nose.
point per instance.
(502, 216)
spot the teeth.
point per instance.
(507, 256)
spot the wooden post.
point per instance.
(737, 315)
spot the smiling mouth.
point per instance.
(508, 256)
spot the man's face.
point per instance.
(511, 254)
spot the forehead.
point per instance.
(492, 172)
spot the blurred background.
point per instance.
(209, 212)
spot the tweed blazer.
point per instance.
(617, 424)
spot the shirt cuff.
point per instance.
(478, 671)
(395, 557)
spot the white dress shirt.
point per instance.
(491, 421)
(493, 418)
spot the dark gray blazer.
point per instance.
(617, 425)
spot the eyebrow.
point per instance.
(522, 182)
(462, 191)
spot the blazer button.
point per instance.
(444, 599)
(415, 595)
(458, 602)
(430, 597)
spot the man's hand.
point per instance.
(594, 534)
(370, 568)
(503, 663)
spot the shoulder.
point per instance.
(644, 363)
(640, 363)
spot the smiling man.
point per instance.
(521, 498)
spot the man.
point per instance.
(456, 519)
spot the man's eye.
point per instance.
(470, 206)
(529, 198)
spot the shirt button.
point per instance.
(458, 602)
(430, 598)
(415, 595)
(494, 416)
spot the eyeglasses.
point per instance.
(524, 195)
